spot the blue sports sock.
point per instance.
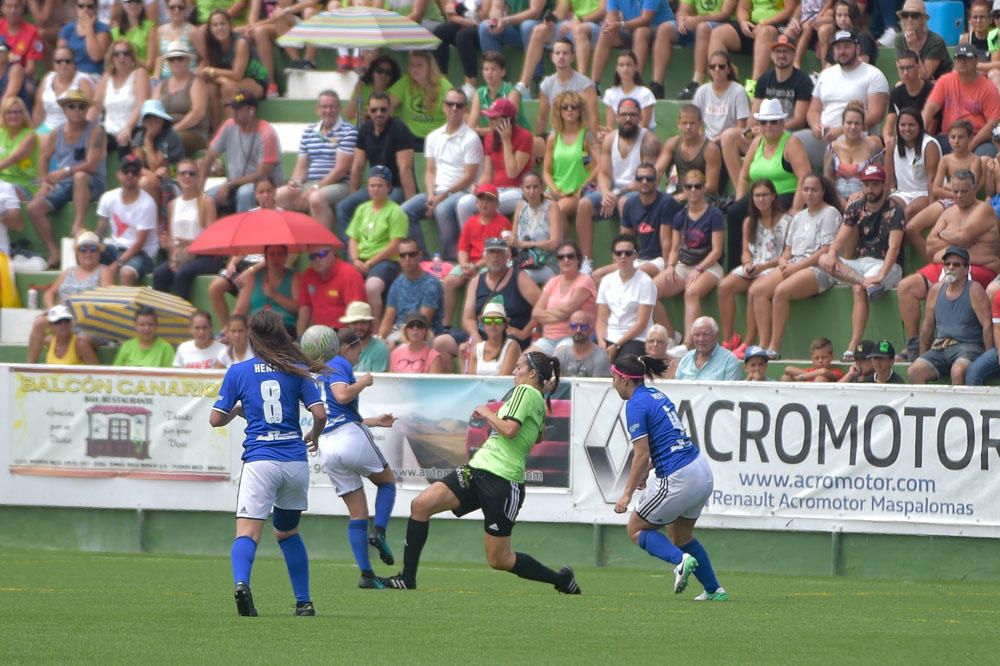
(658, 545)
(357, 534)
(297, 562)
(385, 498)
(704, 573)
(242, 554)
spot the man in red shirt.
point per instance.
(22, 38)
(327, 287)
(478, 232)
(964, 94)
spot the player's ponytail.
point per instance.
(271, 342)
(634, 367)
(547, 369)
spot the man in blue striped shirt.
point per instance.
(323, 169)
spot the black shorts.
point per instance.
(499, 498)
(746, 43)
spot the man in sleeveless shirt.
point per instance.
(621, 153)
(76, 154)
(970, 224)
(957, 326)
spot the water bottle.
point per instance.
(32, 299)
(436, 265)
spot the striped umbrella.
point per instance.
(109, 312)
(360, 27)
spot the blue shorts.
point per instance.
(140, 262)
(387, 271)
(62, 192)
(595, 197)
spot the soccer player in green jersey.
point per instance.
(493, 481)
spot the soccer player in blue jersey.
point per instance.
(348, 451)
(683, 478)
(266, 391)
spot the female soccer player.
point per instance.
(346, 448)
(494, 481)
(266, 391)
(683, 477)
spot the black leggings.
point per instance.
(734, 225)
(182, 282)
(466, 40)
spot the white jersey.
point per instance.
(623, 168)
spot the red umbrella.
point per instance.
(252, 231)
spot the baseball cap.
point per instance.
(958, 251)
(863, 350)
(130, 164)
(501, 108)
(883, 349)
(488, 190)
(242, 98)
(755, 351)
(783, 42)
(844, 36)
(58, 313)
(495, 244)
(415, 317)
(380, 171)
(966, 51)
(873, 172)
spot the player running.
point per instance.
(494, 481)
(346, 447)
(683, 478)
(266, 391)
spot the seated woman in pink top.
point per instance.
(563, 295)
(417, 356)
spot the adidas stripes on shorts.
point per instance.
(682, 494)
(272, 483)
(499, 498)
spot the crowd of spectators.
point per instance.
(833, 175)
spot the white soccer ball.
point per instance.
(320, 343)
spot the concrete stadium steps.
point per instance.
(678, 73)
(810, 318)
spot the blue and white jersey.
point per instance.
(650, 413)
(337, 414)
(270, 402)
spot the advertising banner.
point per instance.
(437, 432)
(789, 455)
(105, 422)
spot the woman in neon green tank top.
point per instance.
(493, 481)
(569, 152)
(18, 161)
(775, 155)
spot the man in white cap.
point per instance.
(850, 79)
(374, 352)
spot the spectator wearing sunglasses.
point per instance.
(87, 37)
(568, 292)
(583, 358)
(417, 355)
(327, 287)
(71, 168)
(625, 303)
(413, 291)
(496, 354)
(48, 112)
(129, 215)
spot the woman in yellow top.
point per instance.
(139, 30)
(570, 153)
(417, 98)
(64, 348)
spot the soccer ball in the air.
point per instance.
(320, 343)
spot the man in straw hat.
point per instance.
(71, 168)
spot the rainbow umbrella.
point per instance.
(109, 312)
(360, 27)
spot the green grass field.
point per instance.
(68, 607)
